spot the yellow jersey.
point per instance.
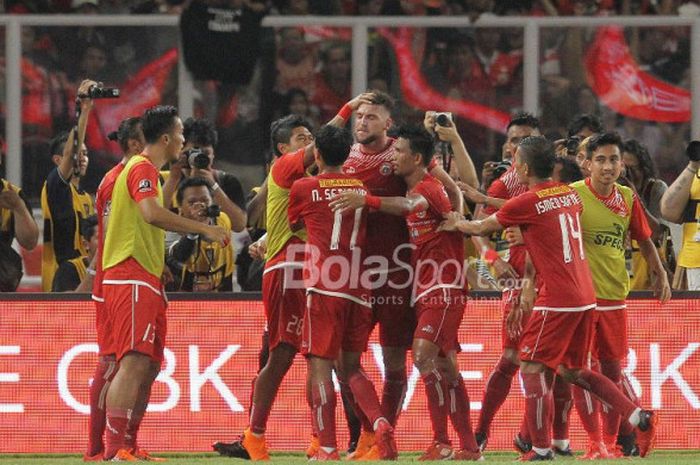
(689, 256)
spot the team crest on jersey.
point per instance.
(350, 170)
(421, 214)
(145, 185)
(385, 169)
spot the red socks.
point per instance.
(495, 393)
(538, 408)
(393, 395)
(437, 405)
(115, 429)
(562, 408)
(459, 415)
(104, 373)
(587, 407)
(365, 399)
(324, 402)
(606, 391)
(258, 419)
(625, 427)
(611, 420)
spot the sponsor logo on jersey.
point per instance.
(428, 329)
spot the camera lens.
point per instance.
(442, 120)
(693, 150)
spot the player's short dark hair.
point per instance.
(200, 132)
(539, 155)
(58, 143)
(157, 121)
(281, 130)
(129, 128)
(333, 144)
(88, 226)
(570, 171)
(382, 99)
(187, 183)
(600, 140)
(419, 141)
(524, 119)
(646, 163)
(583, 121)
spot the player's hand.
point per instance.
(451, 221)
(347, 201)
(217, 234)
(470, 193)
(662, 288)
(258, 249)
(527, 297)
(10, 200)
(504, 270)
(365, 97)
(514, 322)
(514, 236)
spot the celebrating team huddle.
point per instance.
(375, 237)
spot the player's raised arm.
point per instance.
(398, 206)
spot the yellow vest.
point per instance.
(604, 234)
(212, 263)
(278, 231)
(689, 256)
(83, 206)
(129, 235)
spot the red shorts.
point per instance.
(334, 323)
(556, 338)
(104, 332)
(136, 313)
(610, 335)
(439, 315)
(393, 311)
(508, 301)
(284, 308)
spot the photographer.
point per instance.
(63, 202)
(16, 221)
(681, 204)
(71, 272)
(443, 128)
(196, 161)
(198, 265)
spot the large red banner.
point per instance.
(48, 353)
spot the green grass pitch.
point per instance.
(657, 458)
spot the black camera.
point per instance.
(443, 119)
(693, 150)
(196, 158)
(103, 92)
(572, 144)
(501, 168)
(212, 211)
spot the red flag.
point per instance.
(616, 79)
(139, 93)
(418, 93)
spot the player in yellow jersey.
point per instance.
(133, 262)
(610, 211)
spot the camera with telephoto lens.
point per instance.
(693, 150)
(196, 158)
(501, 168)
(102, 92)
(572, 144)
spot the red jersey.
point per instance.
(335, 240)
(375, 170)
(506, 187)
(549, 218)
(438, 257)
(103, 203)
